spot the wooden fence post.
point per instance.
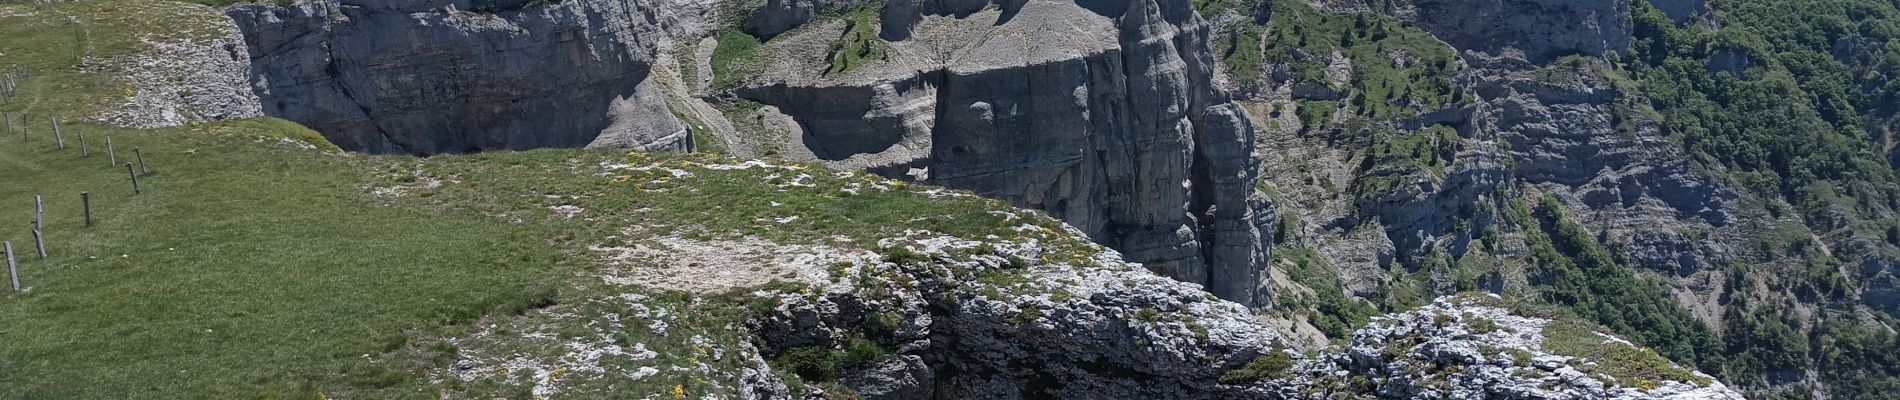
(85, 200)
(135, 179)
(39, 241)
(13, 268)
(59, 139)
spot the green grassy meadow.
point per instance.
(245, 270)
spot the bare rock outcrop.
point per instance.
(983, 326)
(1468, 347)
(1014, 325)
(996, 325)
(433, 76)
(192, 73)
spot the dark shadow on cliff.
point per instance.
(839, 121)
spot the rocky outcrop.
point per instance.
(987, 327)
(1101, 112)
(195, 73)
(436, 76)
(1532, 124)
(1612, 166)
(963, 324)
(777, 16)
(1467, 347)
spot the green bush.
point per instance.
(1573, 270)
(1381, 86)
(1333, 312)
(811, 364)
(1266, 367)
(1632, 366)
(735, 59)
(905, 256)
(859, 44)
(1239, 48)
(819, 364)
(1482, 325)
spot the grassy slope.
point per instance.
(253, 269)
(246, 269)
(242, 271)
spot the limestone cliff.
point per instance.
(184, 77)
(428, 76)
(166, 63)
(1101, 112)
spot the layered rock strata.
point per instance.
(432, 76)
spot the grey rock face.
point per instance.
(1104, 328)
(1107, 119)
(1535, 124)
(1495, 353)
(778, 16)
(1108, 329)
(1540, 30)
(1883, 287)
(185, 77)
(896, 378)
(1628, 181)
(436, 76)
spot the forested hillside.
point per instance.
(1716, 180)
